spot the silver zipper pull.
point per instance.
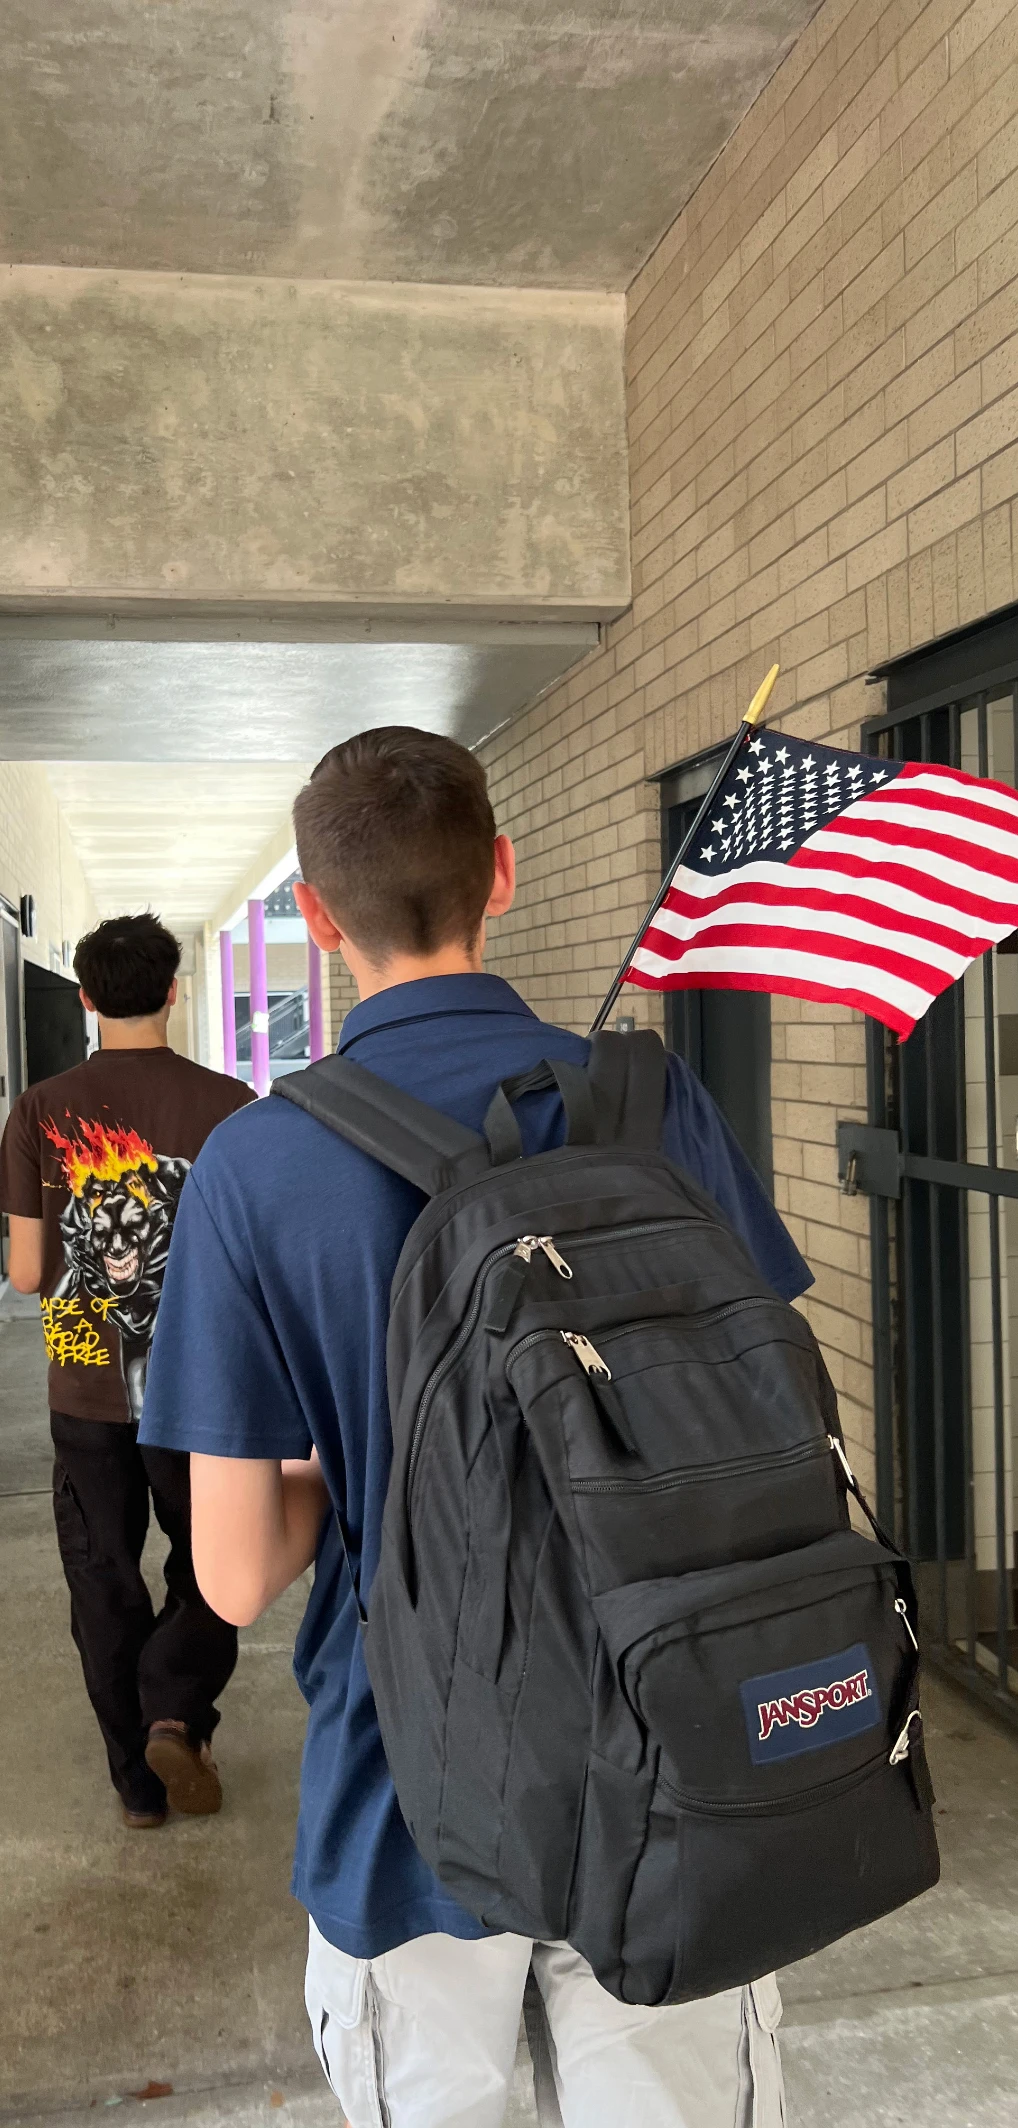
(837, 1450)
(902, 1609)
(900, 1752)
(589, 1358)
(527, 1243)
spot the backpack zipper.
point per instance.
(593, 1361)
(646, 1226)
(509, 1287)
(596, 1368)
(434, 1383)
(773, 1806)
(589, 1358)
(699, 1473)
(513, 1248)
(564, 1158)
(526, 1245)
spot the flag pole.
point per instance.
(751, 718)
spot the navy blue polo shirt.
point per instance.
(271, 1338)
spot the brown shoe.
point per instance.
(142, 1820)
(186, 1769)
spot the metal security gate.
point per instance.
(940, 1162)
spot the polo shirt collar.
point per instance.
(432, 997)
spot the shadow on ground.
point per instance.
(177, 1957)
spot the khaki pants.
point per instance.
(425, 2037)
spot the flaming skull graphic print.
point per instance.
(115, 1231)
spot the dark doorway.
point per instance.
(12, 1058)
(724, 1035)
(12, 1075)
(54, 1023)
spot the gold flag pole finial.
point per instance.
(761, 697)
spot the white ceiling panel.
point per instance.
(176, 837)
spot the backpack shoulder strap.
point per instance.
(415, 1141)
(629, 1075)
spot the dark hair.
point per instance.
(126, 966)
(396, 831)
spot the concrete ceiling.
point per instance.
(174, 838)
(488, 142)
(263, 701)
(485, 141)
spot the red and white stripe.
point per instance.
(882, 908)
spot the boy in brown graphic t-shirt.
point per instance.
(91, 1169)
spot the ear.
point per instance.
(320, 925)
(171, 995)
(504, 884)
(86, 1001)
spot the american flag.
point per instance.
(837, 876)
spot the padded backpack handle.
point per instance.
(618, 1098)
(501, 1128)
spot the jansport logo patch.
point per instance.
(810, 1706)
(807, 1707)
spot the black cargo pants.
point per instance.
(139, 1668)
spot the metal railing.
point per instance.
(289, 1031)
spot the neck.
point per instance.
(149, 1033)
(408, 968)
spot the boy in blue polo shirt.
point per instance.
(269, 1366)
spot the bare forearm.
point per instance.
(254, 1529)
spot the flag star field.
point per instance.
(836, 876)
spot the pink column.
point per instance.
(316, 1017)
(261, 1078)
(229, 1011)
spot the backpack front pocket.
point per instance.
(765, 1680)
(678, 1443)
(782, 1696)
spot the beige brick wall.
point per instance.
(823, 417)
(37, 856)
(286, 966)
(340, 992)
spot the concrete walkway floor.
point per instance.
(175, 1958)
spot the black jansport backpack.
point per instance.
(640, 1684)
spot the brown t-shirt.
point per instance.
(100, 1154)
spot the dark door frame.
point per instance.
(692, 1017)
(919, 1232)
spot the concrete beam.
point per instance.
(173, 699)
(372, 447)
(479, 141)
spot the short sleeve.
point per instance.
(20, 1171)
(217, 1382)
(697, 1138)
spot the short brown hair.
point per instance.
(396, 831)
